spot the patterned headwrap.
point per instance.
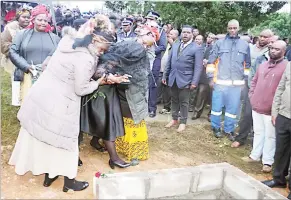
(95, 29)
(154, 27)
(21, 11)
(40, 9)
(154, 31)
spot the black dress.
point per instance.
(101, 117)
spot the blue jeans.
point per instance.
(228, 97)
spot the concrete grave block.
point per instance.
(167, 184)
(274, 195)
(119, 188)
(211, 178)
(194, 182)
(240, 188)
(215, 181)
(205, 196)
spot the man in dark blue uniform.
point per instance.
(126, 31)
(159, 49)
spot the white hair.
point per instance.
(233, 21)
(67, 30)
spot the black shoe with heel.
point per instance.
(80, 163)
(48, 181)
(72, 184)
(112, 164)
(97, 146)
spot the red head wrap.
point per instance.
(153, 30)
(40, 9)
(10, 15)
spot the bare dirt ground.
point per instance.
(168, 149)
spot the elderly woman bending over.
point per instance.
(49, 116)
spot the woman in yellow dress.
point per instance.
(134, 144)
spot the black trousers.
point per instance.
(246, 122)
(180, 102)
(200, 98)
(153, 85)
(283, 149)
(164, 93)
(167, 97)
(160, 89)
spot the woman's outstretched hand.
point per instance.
(118, 79)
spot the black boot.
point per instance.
(217, 133)
(196, 115)
(48, 181)
(72, 184)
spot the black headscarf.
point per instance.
(84, 42)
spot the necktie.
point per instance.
(181, 47)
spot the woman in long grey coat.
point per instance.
(50, 114)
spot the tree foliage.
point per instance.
(213, 16)
(116, 6)
(280, 23)
(139, 7)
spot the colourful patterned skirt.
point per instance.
(134, 144)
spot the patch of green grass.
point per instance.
(9, 123)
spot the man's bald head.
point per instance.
(278, 49)
(174, 34)
(280, 44)
(233, 28)
(267, 32)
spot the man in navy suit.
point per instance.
(182, 74)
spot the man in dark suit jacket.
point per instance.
(182, 74)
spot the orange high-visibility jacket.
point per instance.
(214, 68)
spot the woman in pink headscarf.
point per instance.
(32, 48)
